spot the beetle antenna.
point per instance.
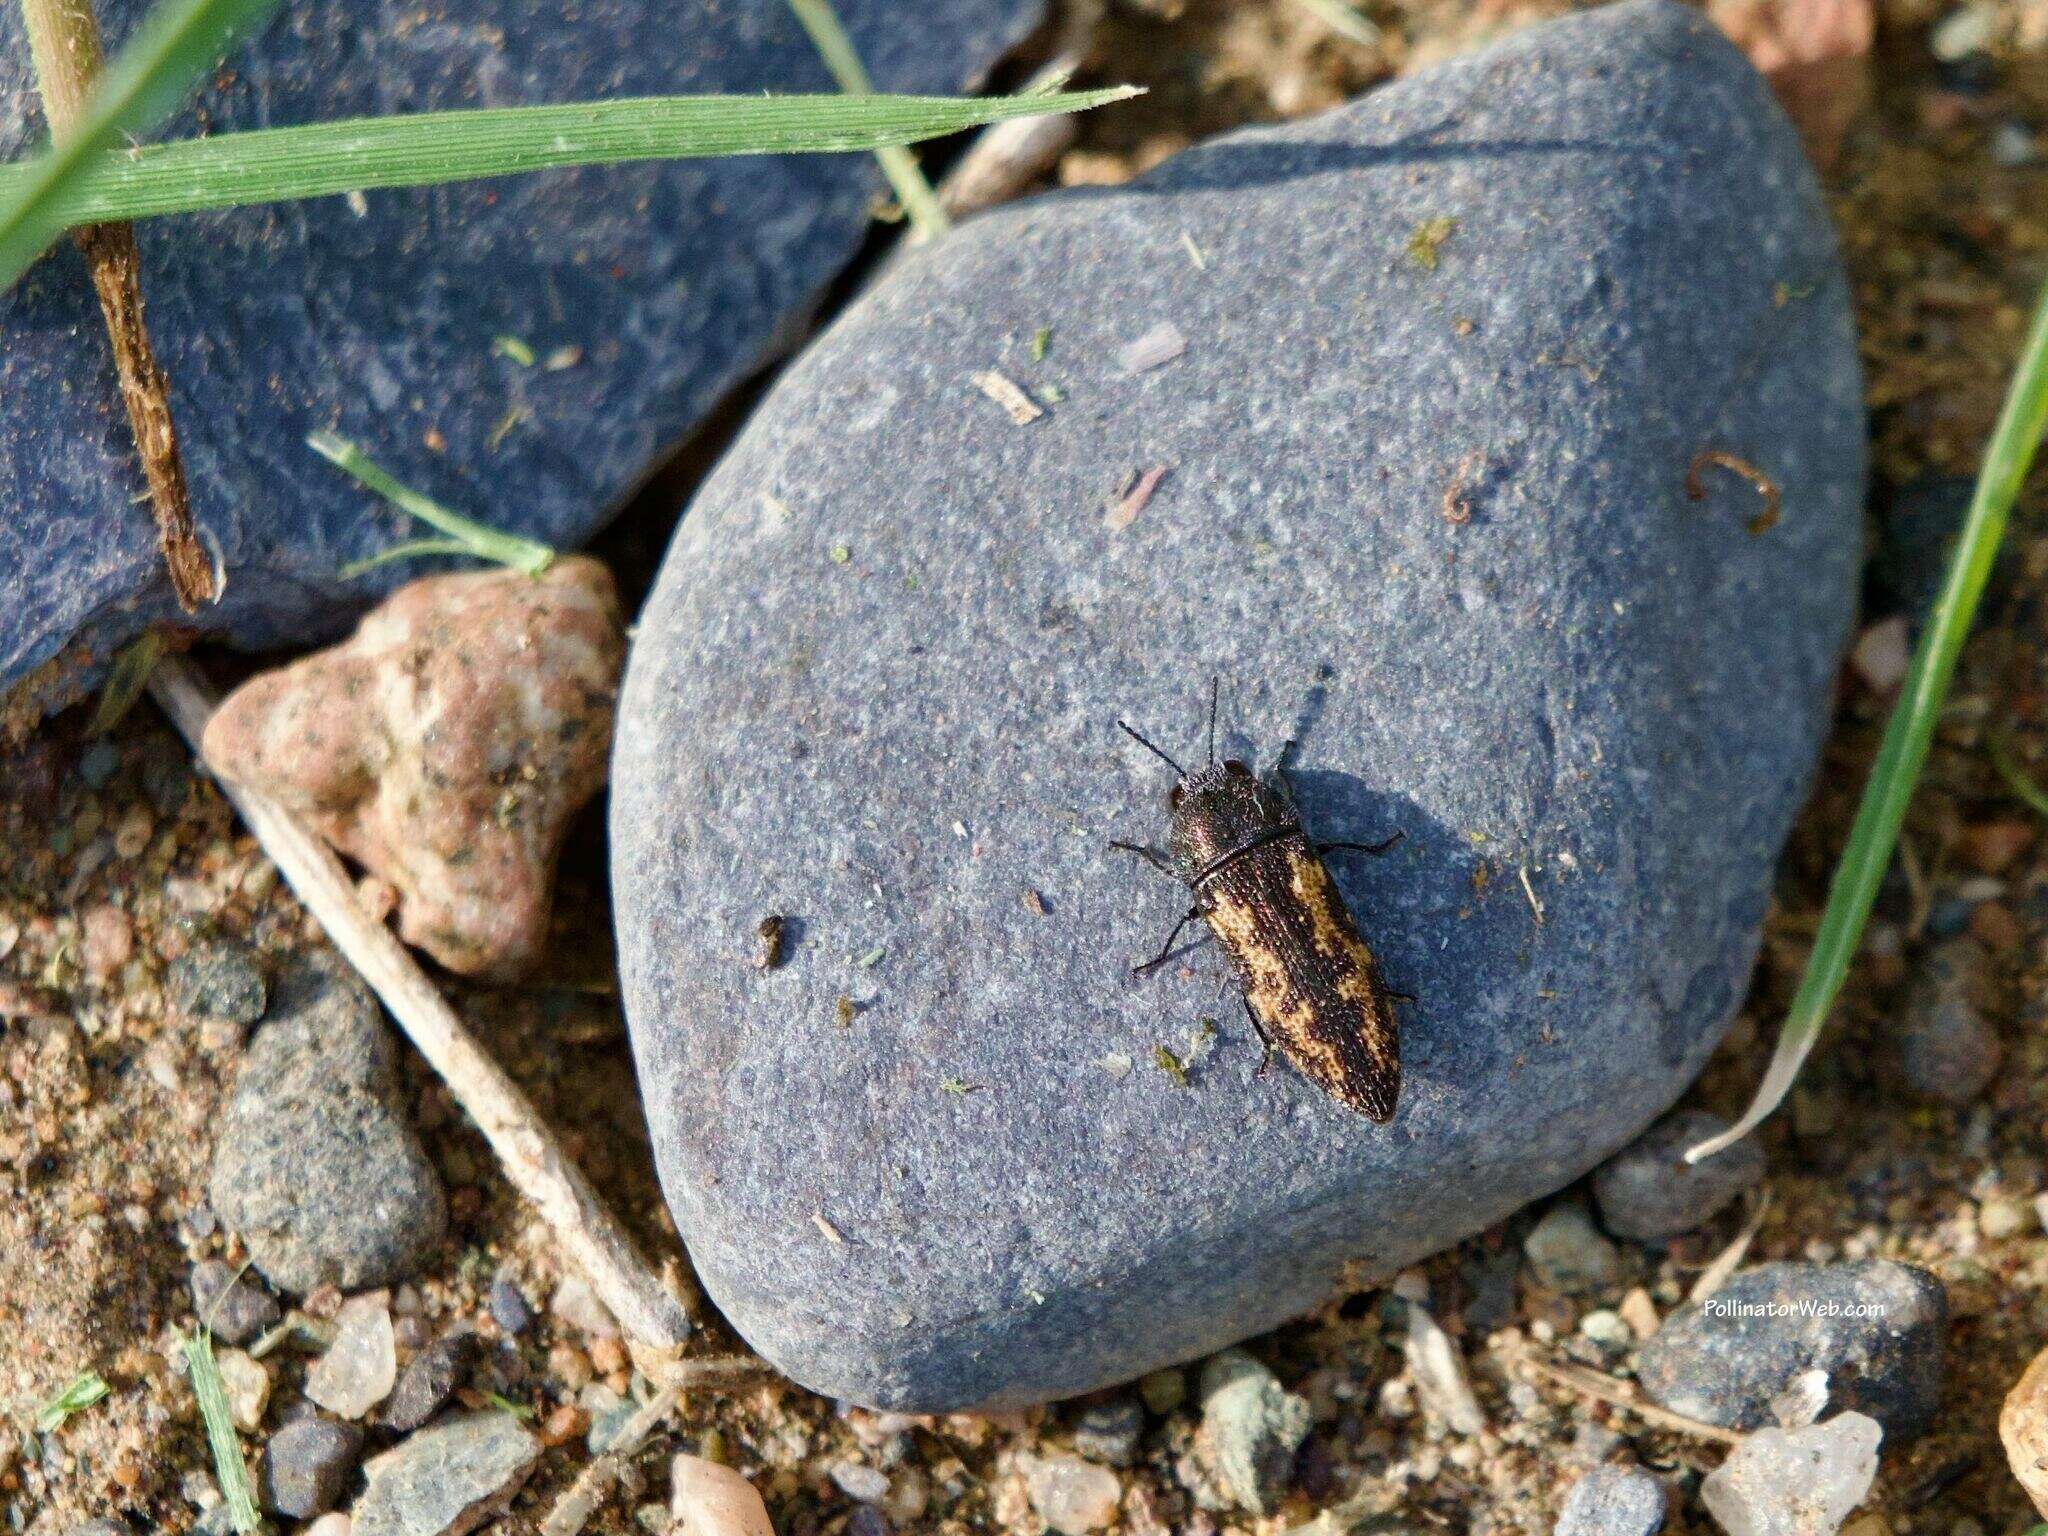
(1141, 741)
(1215, 692)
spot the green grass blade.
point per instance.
(172, 47)
(233, 170)
(1910, 730)
(915, 193)
(464, 535)
(230, 1471)
(1340, 17)
(407, 551)
(76, 1395)
(2007, 767)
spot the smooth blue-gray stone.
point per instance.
(676, 281)
(1879, 1331)
(875, 690)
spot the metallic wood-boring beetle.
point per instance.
(1311, 986)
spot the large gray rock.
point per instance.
(930, 1160)
(316, 1167)
(673, 281)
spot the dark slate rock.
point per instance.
(876, 688)
(1878, 1329)
(305, 1466)
(674, 281)
(1649, 1192)
(1613, 1501)
(427, 1381)
(234, 1307)
(317, 1167)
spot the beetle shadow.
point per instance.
(1415, 904)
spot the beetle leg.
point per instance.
(1151, 856)
(1281, 764)
(1166, 950)
(1265, 1040)
(1380, 847)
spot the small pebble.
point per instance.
(1073, 1496)
(1962, 32)
(711, 1500)
(455, 1475)
(1613, 1501)
(247, 1385)
(509, 1307)
(1110, 1432)
(1882, 653)
(217, 979)
(236, 1309)
(361, 1365)
(1639, 1312)
(1607, 1329)
(1251, 1427)
(305, 1466)
(107, 940)
(335, 1524)
(2023, 1429)
(2014, 146)
(1569, 1254)
(316, 1165)
(1647, 1192)
(97, 764)
(1795, 1482)
(866, 1484)
(1163, 1391)
(1948, 1050)
(427, 1381)
(2001, 1217)
(866, 1520)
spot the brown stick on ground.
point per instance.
(533, 1160)
(66, 43)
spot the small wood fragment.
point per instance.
(1124, 509)
(1158, 346)
(1588, 1382)
(1766, 517)
(1023, 410)
(1005, 159)
(65, 42)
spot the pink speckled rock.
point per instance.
(444, 746)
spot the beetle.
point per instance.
(1311, 986)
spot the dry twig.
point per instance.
(65, 41)
(1004, 161)
(1588, 1382)
(574, 1509)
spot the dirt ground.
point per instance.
(114, 857)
